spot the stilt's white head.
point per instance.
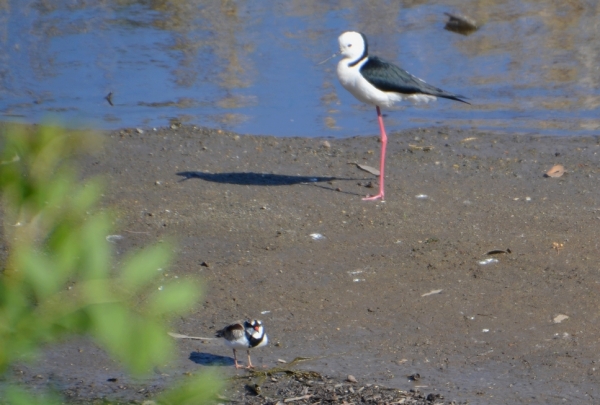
(353, 45)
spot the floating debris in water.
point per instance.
(316, 236)
(461, 24)
(422, 196)
(358, 280)
(265, 312)
(114, 238)
(485, 330)
(488, 261)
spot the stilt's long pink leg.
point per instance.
(382, 159)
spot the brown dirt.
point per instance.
(242, 210)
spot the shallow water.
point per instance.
(252, 66)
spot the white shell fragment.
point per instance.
(316, 236)
(488, 261)
(432, 292)
(559, 318)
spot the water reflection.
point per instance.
(251, 66)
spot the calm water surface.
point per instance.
(252, 66)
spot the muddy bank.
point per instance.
(243, 208)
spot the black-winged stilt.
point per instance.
(380, 83)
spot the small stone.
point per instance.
(351, 378)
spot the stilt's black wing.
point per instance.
(389, 77)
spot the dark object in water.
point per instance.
(109, 98)
(461, 24)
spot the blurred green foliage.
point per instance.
(59, 277)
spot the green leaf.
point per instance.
(175, 298)
(18, 396)
(199, 389)
(96, 251)
(58, 277)
(143, 266)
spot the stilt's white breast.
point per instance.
(360, 88)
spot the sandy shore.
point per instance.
(243, 208)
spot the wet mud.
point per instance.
(384, 291)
